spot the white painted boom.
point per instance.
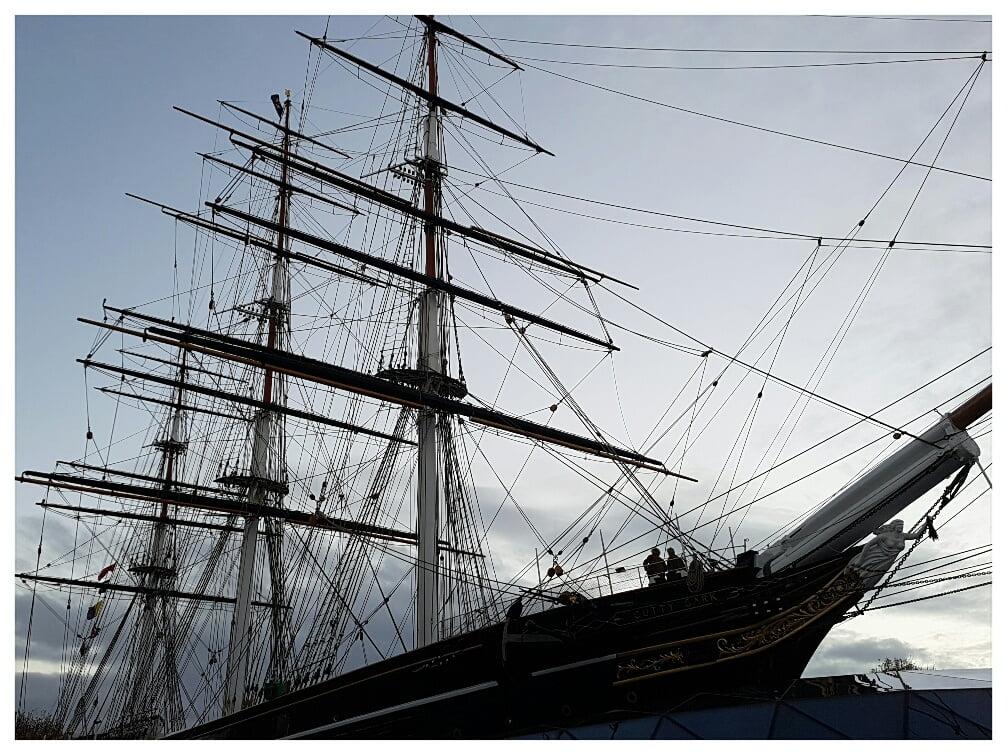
(886, 489)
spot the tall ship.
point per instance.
(311, 511)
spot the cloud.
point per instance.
(847, 652)
(713, 286)
(38, 689)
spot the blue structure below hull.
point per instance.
(825, 708)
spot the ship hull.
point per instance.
(638, 651)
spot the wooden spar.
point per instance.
(159, 496)
(139, 476)
(655, 467)
(246, 238)
(412, 275)
(355, 185)
(225, 356)
(342, 378)
(499, 241)
(231, 130)
(305, 166)
(123, 515)
(403, 272)
(208, 503)
(172, 363)
(368, 191)
(973, 408)
(263, 147)
(438, 26)
(597, 273)
(434, 99)
(884, 490)
(172, 497)
(349, 380)
(286, 129)
(276, 182)
(124, 588)
(166, 403)
(218, 394)
(340, 270)
(231, 348)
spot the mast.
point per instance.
(157, 574)
(261, 481)
(151, 698)
(430, 365)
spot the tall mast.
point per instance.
(157, 572)
(260, 481)
(151, 700)
(430, 365)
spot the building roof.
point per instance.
(917, 705)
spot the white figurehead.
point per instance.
(880, 553)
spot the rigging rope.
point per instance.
(851, 615)
(733, 122)
(948, 494)
(741, 68)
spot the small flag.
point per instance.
(93, 611)
(277, 105)
(106, 571)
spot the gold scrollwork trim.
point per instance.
(815, 606)
(747, 641)
(646, 666)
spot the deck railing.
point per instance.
(618, 580)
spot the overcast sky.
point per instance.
(762, 146)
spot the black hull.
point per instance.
(638, 651)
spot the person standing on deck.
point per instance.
(654, 566)
(675, 567)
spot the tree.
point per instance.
(898, 664)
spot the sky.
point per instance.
(93, 121)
